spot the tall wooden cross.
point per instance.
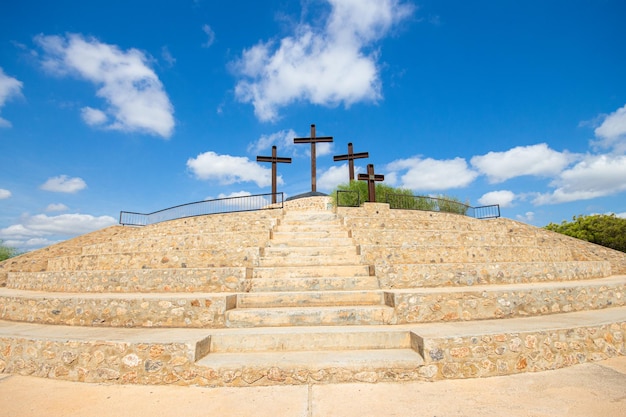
(371, 179)
(273, 159)
(351, 156)
(313, 140)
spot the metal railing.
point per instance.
(413, 202)
(201, 208)
(347, 198)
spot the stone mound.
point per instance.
(310, 294)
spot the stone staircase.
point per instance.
(310, 295)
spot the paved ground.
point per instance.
(593, 389)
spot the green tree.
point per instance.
(7, 252)
(602, 229)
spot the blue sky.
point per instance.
(142, 105)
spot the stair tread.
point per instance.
(370, 358)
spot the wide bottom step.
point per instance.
(316, 361)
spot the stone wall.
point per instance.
(195, 310)
(225, 279)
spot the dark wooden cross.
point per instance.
(371, 179)
(351, 156)
(313, 140)
(273, 159)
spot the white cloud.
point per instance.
(134, 95)
(4, 194)
(430, 174)
(64, 184)
(56, 207)
(41, 230)
(335, 175)
(226, 169)
(9, 87)
(528, 217)
(504, 198)
(326, 65)
(283, 141)
(235, 194)
(612, 131)
(93, 116)
(167, 56)
(595, 176)
(537, 160)
(210, 36)
(621, 215)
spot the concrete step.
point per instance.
(292, 259)
(326, 366)
(332, 252)
(310, 316)
(298, 241)
(281, 339)
(309, 299)
(281, 235)
(315, 271)
(347, 283)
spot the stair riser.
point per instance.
(270, 300)
(311, 272)
(300, 341)
(321, 261)
(310, 317)
(314, 284)
(300, 252)
(299, 242)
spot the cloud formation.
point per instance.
(9, 88)
(4, 194)
(595, 176)
(210, 36)
(135, 98)
(41, 230)
(327, 65)
(283, 141)
(612, 132)
(537, 160)
(430, 174)
(227, 169)
(504, 198)
(64, 184)
(335, 175)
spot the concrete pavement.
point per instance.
(591, 389)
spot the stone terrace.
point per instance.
(310, 294)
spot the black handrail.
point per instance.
(348, 198)
(201, 208)
(414, 202)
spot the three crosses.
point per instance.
(370, 177)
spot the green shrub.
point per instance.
(602, 229)
(7, 252)
(356, 193)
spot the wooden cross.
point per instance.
(351, 156)
(371, 179)
(313, 140)
(273, 159)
